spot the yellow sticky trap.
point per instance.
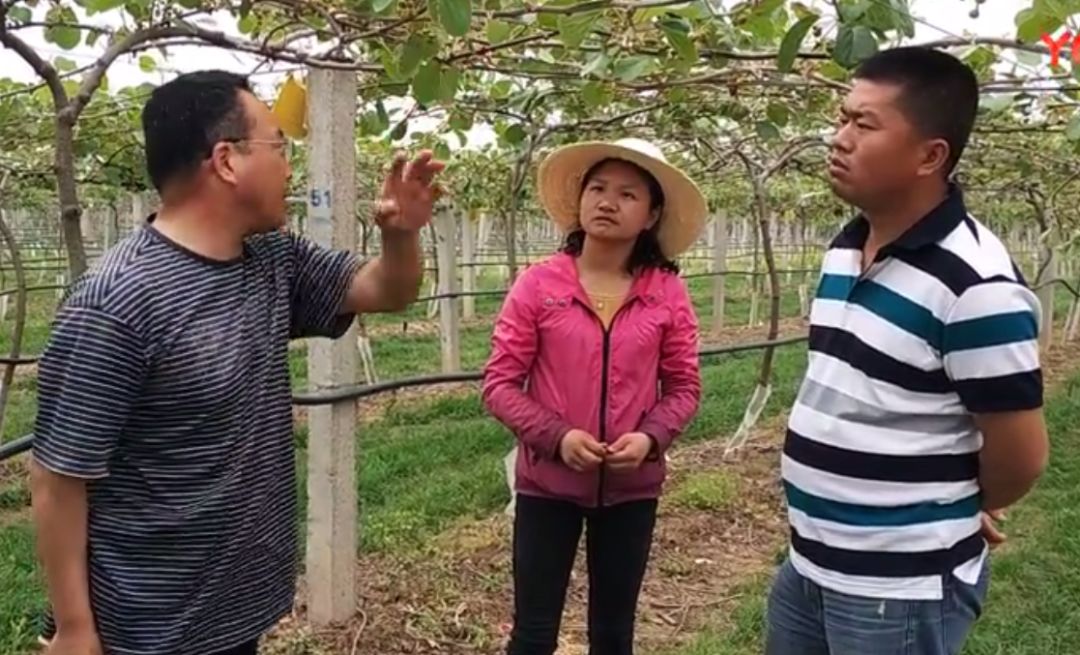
(290, 107)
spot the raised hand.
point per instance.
(408, 193)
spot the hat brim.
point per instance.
(561, 174)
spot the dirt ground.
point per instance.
(454, 596)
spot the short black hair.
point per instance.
(939, 94)
(186, 116)
(647, 252)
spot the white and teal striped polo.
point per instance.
(880, 463)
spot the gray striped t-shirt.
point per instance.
(166, 384)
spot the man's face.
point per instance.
(877, 153)
(261, 166)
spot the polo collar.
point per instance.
(931, 229)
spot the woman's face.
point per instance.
(616, 204)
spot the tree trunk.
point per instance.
(70, 209)
(20, 317)
(774, 283)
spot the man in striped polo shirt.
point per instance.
(163, 475)
(920, 413)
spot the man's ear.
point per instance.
(221, 162)
(935, 157)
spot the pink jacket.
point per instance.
(553, 367)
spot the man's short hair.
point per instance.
(939, 94)
(185, 117)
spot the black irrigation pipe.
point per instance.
(355, 392)
(48, 287)
(16, 447)
(459, 294)
(500, 292)
(358, 391)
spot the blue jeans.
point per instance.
(807, 619)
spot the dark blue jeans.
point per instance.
(807, 619)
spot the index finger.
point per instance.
(418, 166)
(595, 447)
(428, 171)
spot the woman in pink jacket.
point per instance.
(594, 368)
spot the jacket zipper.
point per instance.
(604, 393)
(603, 410)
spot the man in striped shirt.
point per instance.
(920, 413)
(163, 474)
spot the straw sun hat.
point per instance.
(561, 174)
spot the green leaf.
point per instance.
(98, 6)
(851, 12)
(1072, 130)
(501, 90)
(904, 20)
(147, 64)
(778, 113)
(761, 27)
(442, 150)
(427, 83)
(449, 80)
(595, 95)
(1060, 9)
(20, 15)
(574, 28)
(369, 124)
(596, 66)
(380, 6)
(461, 121)
(677, 31)
(247, 24)
(833, 71)
(455, 16)
(888, 15)
(736, 111)
(789, 47)
(631, 68)
(854, 44)
(514, 134)
(382, 117)
(767, 7)
(63, 64)
(416, 50)
(66, 37)
(981, 60)
(767, 130)
(498, 31)
(399, 130)
(1032, 24)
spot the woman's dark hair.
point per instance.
(647, 252)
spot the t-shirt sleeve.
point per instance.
(991, 348)
(321, 280)
(89, 379)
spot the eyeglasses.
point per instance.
(281, 145)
